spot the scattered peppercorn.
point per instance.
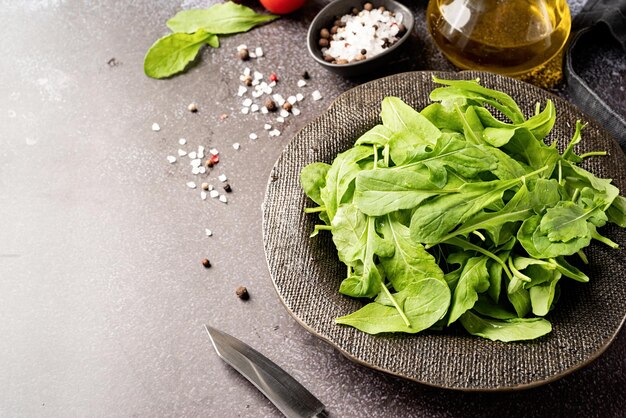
(287, 106)
(270, 105)
(214, 159)
(206, 263)
(242, 293)
(193, 108)
(273, 77)
(205, 186)
(363, 51)
(227, 188)
(305, 75)
(243, 54)
(247, 80)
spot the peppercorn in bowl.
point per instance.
(352, 37)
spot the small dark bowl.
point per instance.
(325, 19)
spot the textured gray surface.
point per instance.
(102, 295)
(307, 273)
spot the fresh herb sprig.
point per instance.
(195, 28)
(451, 214)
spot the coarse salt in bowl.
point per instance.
(362, 41)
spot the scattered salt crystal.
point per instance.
(182, 141)
(316, 95)
(280, 119)
(213, 151)
(208, 232)
(156, 127)
(274, 132)
(245, 110)
(200, 151)
(223, 199)
(192, 155)
(255, 82)
(247, 102)
(196, 162)
(222, 178)
(181, 153)
(264, 110)
(202, 170)
(272, 84)
(257, 94)
(258, 51)
(214, 193)
(267, 126)
(254, 108)
(242, 90)
(253, 136)
(299, 97)
(258, 75)
(301, 83)
(246, 71)
(211, 187)
(284, 113)
(203, 195)
(171, 159)
(252, 55)
(292, 100)
(236, 145)
(267, 90)
(191, 185)
(195, 170)
(295, 111)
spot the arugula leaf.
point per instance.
(172, 53)
(538, 245)
(565, 222)
(542, 295)
(356, 239)
(474, 280)
(313, 179)
(379, 135)
(382, 191)
(400, 117)
(517, 329)
(617, 212)
(424, 302)
(485, 307)
(221, 19)
(435, 218)
(340, 177)
(410, 261)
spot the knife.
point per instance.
(289, 396)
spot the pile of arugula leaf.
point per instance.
(451, 214)
(192, 30)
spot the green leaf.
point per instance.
(434, 219)
(568, 270)
(379, 135)
(410, 261)
(172, 53)
(382, 191)
(538, 245)
(340, 177)
(474, 280)
(400, 117)
(423, 302)
(221, 19)
(617, 212)
(510, 330)
(486, 308)
(313, 179)
(542, 295)
(565, 222)
(460, 156)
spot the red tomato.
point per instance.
(282, 7)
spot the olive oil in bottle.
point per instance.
(510, 37)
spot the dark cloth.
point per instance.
(602, 20)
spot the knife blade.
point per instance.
(289, 396)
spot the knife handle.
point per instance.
(321, 414)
